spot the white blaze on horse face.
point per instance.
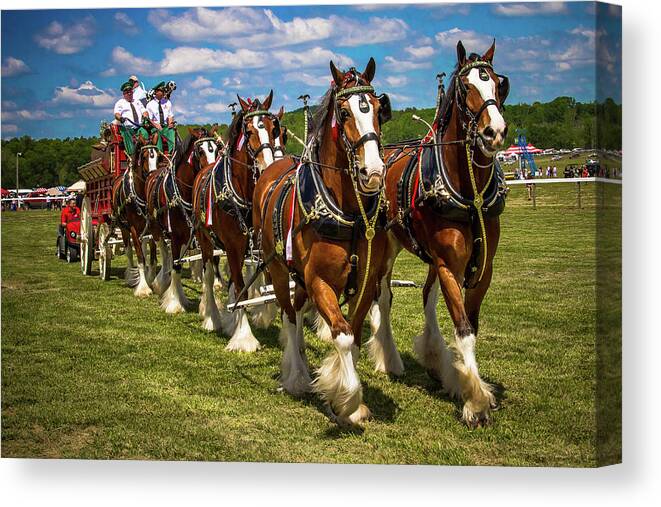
(210, 149)
(365, 125)
(153, 159)
(487, 91)
(278, 148)
(267, 153)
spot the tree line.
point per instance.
(561, 123)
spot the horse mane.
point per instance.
(445, 109)
(321, 111)
(234, 130)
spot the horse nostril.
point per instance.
(489, 132)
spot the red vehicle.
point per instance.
(108, 161)
(68, 242)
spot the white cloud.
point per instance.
(9, 128)
(374, 31)
(286, 33)
(314, 57)
(562, 66)
(397, 80)
(30, 114)
(404, 65)
(188, 59)
(419, 52)
(200, 82)
(125, 23)
(234, 82)
(67, 40)
(87, 94)
(210, 92)
(216, 107)
(185, 59)
(243, 27)
(308, 79)
(530, 9)
(208, 24)
(14, 67)
(472, 41)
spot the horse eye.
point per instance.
(344, 114)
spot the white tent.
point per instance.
(79, 186)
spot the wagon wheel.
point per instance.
(86, 238)
(105, 252)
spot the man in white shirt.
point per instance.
(161, 116)
(129, 113)
(139, 92)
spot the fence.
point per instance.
(541, 181)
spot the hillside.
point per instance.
(561, 123)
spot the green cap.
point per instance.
(127, 86)
(159, 86)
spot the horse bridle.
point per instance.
(197, 145)
(350, 147)
(246, 133)
(461, 93)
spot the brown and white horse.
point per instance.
(452, 223)
(222, 203)
(169, 203)
(328, 258)
(130, 212)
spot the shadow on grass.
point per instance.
(416, 376)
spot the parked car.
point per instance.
(36, 200)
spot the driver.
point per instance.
(129, 113)
(161, 116)
(69, 213)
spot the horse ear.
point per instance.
(244, 105)
(370, 70)
(461, 53)
(281, 113)
(488, 56)
(267, 101)
(338, 75)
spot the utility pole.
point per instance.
(19, 154)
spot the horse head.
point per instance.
(481, 93)
(147, 156)
(259, 131)
(205, 148)
(358, 114)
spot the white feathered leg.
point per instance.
(338, 383)
(242, 340)
(381, 346)
(132, 274)
(208, 308)
(263, 315)
(295, 377)
(162, 280)
(196, 268)
(174, 299)
(477, 394)
(143, 289)
(432, 352)
(322, 328)
(229, 320)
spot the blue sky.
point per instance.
(61, 69)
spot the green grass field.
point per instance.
(89, 371)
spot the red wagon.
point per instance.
(108, 161)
